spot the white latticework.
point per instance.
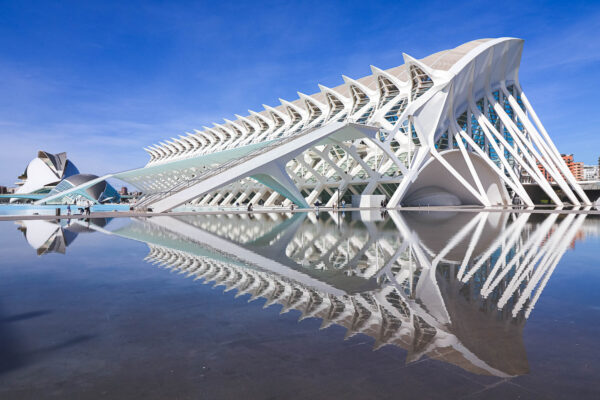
(455, 125)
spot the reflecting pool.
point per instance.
(356, 305)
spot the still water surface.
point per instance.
(404, 305)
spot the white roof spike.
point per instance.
(336, 94)
(254, 113)
(408, 58)
(228, 129)
(411, 60)
(438, 76)
(210, 132)
(241, 119)
(306, 97)
(287, 103)
(184, 139)
(178, 145)
(296, 108)
(376, 70)
(369, 92)
(398, 82)
(192, 139)
(203, 135)
(220, 131)
(263, 118)
(199, 137)
(227, 121)
(280, 114)
(167, 148)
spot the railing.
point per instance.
(228, 164)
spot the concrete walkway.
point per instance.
(127, 214)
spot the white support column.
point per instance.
(542, 159)
(548, 158)
(553, 150)
(259, 195)
(421, 156)
(271, 199)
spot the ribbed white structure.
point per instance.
(454, 126)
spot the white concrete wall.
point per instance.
(367, 200)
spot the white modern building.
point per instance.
(44, 172)
(590, 173)
(54, 179)
(452, 128)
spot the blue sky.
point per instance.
(103, 79)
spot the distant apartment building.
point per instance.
(576, 168)
(590, 173)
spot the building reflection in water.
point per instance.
(456, 287)
(53, 236)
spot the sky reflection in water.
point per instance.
(456, 291)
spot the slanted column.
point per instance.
(206, 199)
(271, 199)
(215, 201)
(256, 198)
(229, 198)
(243, 196)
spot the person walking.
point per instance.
(68, 209)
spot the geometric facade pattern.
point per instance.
(452, 128)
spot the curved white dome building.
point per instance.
(44, 172)
(56, 180)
